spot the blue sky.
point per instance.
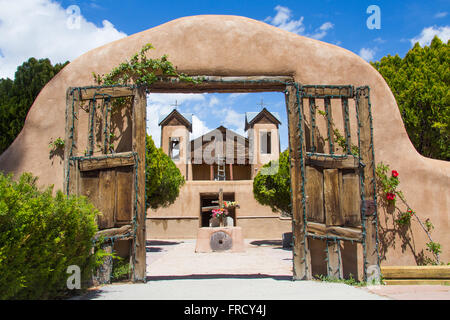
(40, 28)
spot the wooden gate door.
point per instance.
(113, 181)
(333, 193)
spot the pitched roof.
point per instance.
(209, 138)
(252, 117)
(184, 118)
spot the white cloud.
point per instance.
(379, 40)
(230, 119)
(441, 15)
(427, 34)
(198, 128)
(322, 31)
(367, 53)
(159, 104)
(43, 29)
(283, 20)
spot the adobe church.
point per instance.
(219, 160)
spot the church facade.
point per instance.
(219, 161)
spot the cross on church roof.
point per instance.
(175, 105)
(262, 104)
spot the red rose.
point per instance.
(390, 196)
(394, 173)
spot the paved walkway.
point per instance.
(262, 272)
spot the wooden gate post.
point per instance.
(301, 255)
(139, 133)
(73, 100)
(371, 264)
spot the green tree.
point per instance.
(420, 83)
(274, 189)
(16, 97)
(163, 178)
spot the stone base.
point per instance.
(205, 237)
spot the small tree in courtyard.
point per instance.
(163, 178)
(274, 189)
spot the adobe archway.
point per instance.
(236, 46)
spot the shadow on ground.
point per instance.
(277, 243)
(219, 276)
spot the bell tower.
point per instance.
(175, 135)
(263, 130)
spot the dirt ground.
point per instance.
(263, 271)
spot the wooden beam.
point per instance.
(314, 195)
(112, 232)
(335, 268)
(332, 203)
(206, 209)
(301, 255)
(416, 272)
(349, 162)
(105, 162)
(231, 171)
(222, 84)
(139, 133)
(71, 172)
(327, 91)
(329, 119)
(367, 157)
(442, 282)
(345, 232)
(211, 172)
(88, 93)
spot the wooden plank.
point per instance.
(331, 198)
(324, 230)
(105, 162)
(335, 269)
(327, 91)
(222, 84)
(345, 115)
(138, 144)
(314, 195)
(124, 230)
(71, 142)
(106, 198)
(124, 194)
(209, 208)
(314, 130)
(89, 187)
(442, 282)
(346, 232)
(332, 163)
(366, 152)
(301, 255)
(91, 127)
(350, 199)
(416, 272)
(330, 134)
(100, 92)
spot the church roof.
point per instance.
(252, 117)
(209, 138)
(184, 118)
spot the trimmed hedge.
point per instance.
(40, 236)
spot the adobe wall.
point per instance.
(182, 219)
(235, 46)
